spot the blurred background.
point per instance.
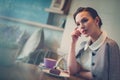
(20, 19)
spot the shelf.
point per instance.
(32, 23)
(54, 11)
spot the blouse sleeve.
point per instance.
(114, 61)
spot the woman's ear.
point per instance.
(97, 20)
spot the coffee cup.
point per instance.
(49, 63)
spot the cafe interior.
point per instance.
(35, 33)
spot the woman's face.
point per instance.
(86, 24)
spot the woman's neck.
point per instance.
(95, 36)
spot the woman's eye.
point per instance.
(84, 20)
(77, 24)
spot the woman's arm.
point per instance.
(73, 66)
(114, 61)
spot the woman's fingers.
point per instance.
(76, 32)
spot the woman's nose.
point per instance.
(78, 29)
(81, 26)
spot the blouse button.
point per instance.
(94, 75)
(93, 64)
(93, 54)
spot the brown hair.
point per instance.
(92, 12)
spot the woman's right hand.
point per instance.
(75, 35)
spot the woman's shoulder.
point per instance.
(111, 42)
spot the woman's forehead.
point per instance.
(82, 14)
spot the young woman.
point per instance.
(99, 57)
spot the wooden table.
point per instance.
(24, 71)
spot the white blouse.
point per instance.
(85, 58)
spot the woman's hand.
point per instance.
(72, 64)
(75, 35)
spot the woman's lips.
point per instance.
(84, 31)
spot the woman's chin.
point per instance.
(86, 35)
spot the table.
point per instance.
(25, 71)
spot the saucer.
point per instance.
(62, 74)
